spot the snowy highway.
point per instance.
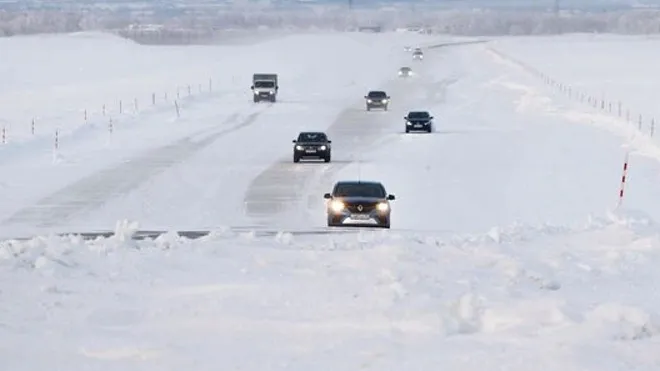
(505, 250)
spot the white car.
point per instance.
(407, 48)
(405, 72)
(418, 55)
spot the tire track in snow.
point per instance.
(91, 192)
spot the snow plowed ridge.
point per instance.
(518, 287)
(98, 188)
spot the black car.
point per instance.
(419, 121)
(377, 99)
(312, 144)
(359, 203)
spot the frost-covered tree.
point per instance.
(194, 25)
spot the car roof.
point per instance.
(376, 92)
(369, 182)
(311, 133)
(418, 112)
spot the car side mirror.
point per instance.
(327, 196)
(391, 197)
(252, 87)
(294, 141)
(388, 97)
(365, 97)
(329, 141)
(405, 117)
(431, 118)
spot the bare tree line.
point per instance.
(194, 28)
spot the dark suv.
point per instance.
(312, 144)
(419, 121)
(358, 203)
(377, 99)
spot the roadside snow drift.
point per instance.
(520, 297)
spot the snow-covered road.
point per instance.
(504, 251)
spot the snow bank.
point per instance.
(534, 291)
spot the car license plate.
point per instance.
(418, 126)
(360, 216)
(310, 151)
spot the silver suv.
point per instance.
(377, 99)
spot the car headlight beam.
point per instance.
(383, 206)
(337, 206)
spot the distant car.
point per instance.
(418, 50)
(407, 48)
(418, 55)
(419, 121)
(358, 202)
(405, 72)
(377, 99)
(312, 145)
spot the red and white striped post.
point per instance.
(623, 180)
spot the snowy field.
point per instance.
(505, 253)
(615, 69)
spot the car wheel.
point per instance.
(385, 108)
(332, 223)
(368, 108)
(255, 99)
(407, 130)
(296, 158)
(384, 222)
(326, 158)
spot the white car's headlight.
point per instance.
(383, 206)
(299, 148)
(369, 101)
(384, 101)
(337, 206)
(256, 92)
(323, 148)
